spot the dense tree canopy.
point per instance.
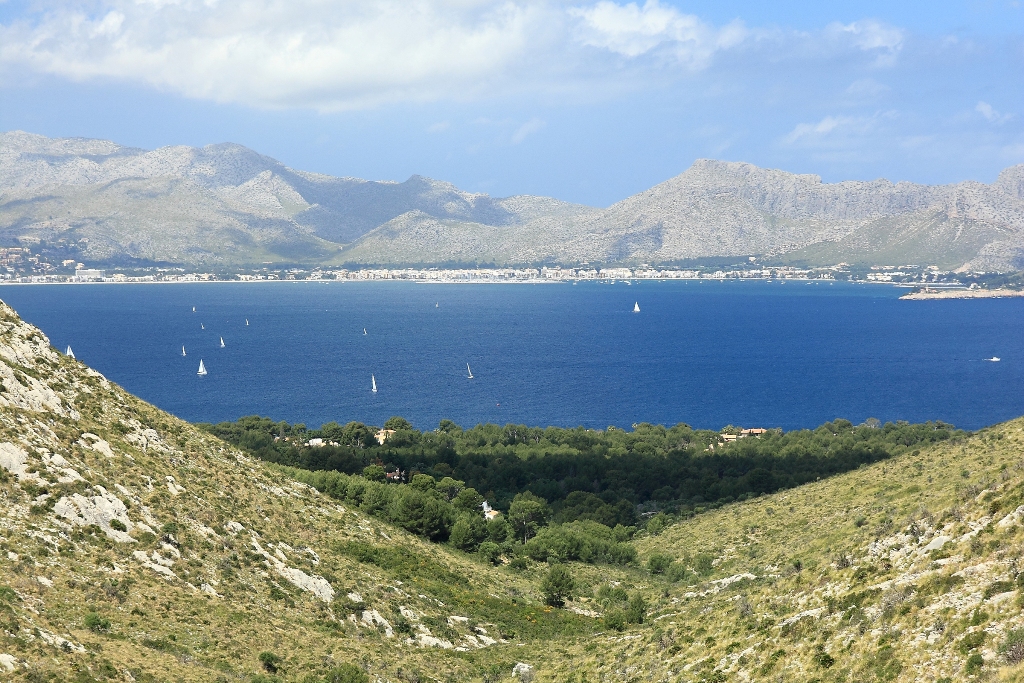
(608, 476)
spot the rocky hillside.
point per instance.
(226, 205)
(218, 205)
(135, 548)
(733, 209)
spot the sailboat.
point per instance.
(636, 307)
(469, 371)
(183, 351)
(222, 342)
(374, 381)
(364, 330)
(202, 326)
(202, 368)
(247, 322)
(69, 353)
(193, 309)
(437, 304)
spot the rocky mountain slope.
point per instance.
(219, 205)
(134, 547)
(734, 209)
(226, 205)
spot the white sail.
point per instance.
(69, 353)
(183, 351)
(364, 330)
(469, 371)
(202, 326)
(193, 309)
(222, 342)
(636, 307)
(202, 368)
(246, 322)
(374, 381)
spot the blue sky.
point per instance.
(585, 100)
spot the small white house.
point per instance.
(489, 512)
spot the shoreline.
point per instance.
(930, 294)
(452, 281)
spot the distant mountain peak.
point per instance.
(227, 204)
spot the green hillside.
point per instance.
(134, 546)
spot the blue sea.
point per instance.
(753, 354)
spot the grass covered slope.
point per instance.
(907, 570)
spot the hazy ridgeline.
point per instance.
(570, 494)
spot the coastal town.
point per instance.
(18, 265)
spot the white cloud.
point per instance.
(525, 130)
(823, 127)
(342, 54)
(867, 89)
(298, 53)
(631, 30)
(873, 35)
(990, 114)
(881, 39)
(831, 129)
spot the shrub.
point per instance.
(557, 586)
(421, 514)
(885, 664)
(657, 524)
(615, 620)
(519, 562)
(1012, 648)
(374, 473)
(677, 572)
(823, 659)
(971, 641)
(490, 551)
(584, 541)
(468, 532)
(402, 625)
(94, 622)
(527, 513)
(703, 564)
(118, 525)
(974, 663)
(608, 594)
(998, 587)
(423, 482)
(659, 563)
(270, 662)
(636, 611)
(346, 673)
(343, 604)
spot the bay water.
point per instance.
(756, 354)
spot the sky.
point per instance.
(584, 100)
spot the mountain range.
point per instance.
(225, 205)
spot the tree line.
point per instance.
(571, 494)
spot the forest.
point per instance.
(572, 494)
